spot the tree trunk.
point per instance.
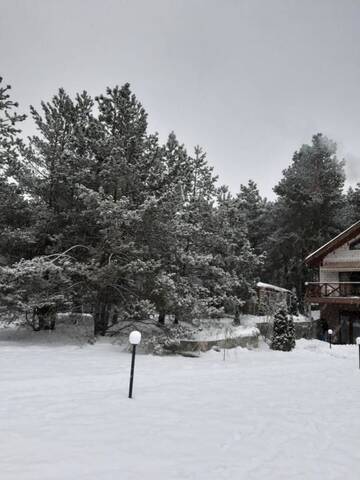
(52, 320)
(101, 318)
(43, 318)
(40, 323)
(161, 318)
(237, 316)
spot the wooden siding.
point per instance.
(328, 276)
(343, 254)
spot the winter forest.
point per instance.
(98, 216)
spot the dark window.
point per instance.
(355, 245)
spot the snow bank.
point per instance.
(64, 334)
(323, 348)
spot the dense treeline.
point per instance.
(97, 214)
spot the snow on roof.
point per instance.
(327, 244)
(272, 287)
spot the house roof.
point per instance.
(316, 257)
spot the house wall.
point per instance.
(341, 259)
(328, 276)
(331, 313)
(343, 254)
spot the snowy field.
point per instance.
(65, 415)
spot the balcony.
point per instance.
(340, 292)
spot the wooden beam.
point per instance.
(354, 265)
(334, 300)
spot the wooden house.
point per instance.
(337, 286)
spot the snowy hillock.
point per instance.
(322, 348)
(206, 334)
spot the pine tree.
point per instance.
(253, 210)
(239, 263)
(142, 225)
(351, 213)
(15, 214)
(283, 332)
(306, 214)
(9, 132)
(37, 287)
(187, 205)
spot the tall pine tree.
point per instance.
(307, 213)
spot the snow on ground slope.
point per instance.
(65, 415)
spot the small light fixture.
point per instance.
(134, 339)
(330, 332)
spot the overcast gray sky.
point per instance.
(249, 80)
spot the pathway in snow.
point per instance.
(65, 415)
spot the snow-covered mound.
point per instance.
(323, 348)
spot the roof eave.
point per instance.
(315, 258)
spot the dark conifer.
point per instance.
(283, 337)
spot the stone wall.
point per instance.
(249, 341)
(302, 329)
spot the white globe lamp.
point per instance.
(330, 332)
(134, 339)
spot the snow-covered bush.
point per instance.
(283, 337)
(168, 342)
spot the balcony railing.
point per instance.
(330, 290)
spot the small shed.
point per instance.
(272, 297)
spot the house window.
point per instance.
(355, 245)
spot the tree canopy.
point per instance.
(98, 214)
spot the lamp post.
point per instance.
(330, 332)
(358, 343)
(134, 339)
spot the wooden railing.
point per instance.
(332, 290)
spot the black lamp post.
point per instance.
(134, 339)
(330, 332)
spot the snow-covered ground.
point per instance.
(65, 415)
